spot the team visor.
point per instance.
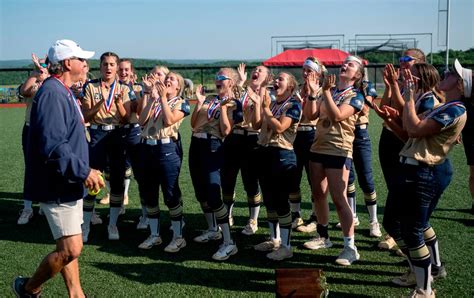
(222, 78)
(406, 59)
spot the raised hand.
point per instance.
(162, 89)
(266, 99)
(242, 73)
(200, 94)
(147, 83)
(312, 83)
(392, 74)
(408, 84)
(329, 82)
(253, 96)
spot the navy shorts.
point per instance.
(331, 161)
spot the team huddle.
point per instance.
(268, 127)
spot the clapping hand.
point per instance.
(200, 94)
(329, 82)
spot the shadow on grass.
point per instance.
(11, 195)
(234, 280)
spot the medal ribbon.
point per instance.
(339, 95)
(244, 100)
(73, 98)
(213, 107)
(277, 111)
(172, 102)
(110, 99)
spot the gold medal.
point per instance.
(151, 131)
(326, 123)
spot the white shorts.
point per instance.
(64, 219)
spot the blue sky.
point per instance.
(210, 29)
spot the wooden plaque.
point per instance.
(307, 282)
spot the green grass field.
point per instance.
(120, 269)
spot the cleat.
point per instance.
(105, 200)
(151, 241)
(95, 219)
(347, 256)
(387, 243)
(269, 245)
(85, 234)
(407, 279)
(374, 229)
(25, 216)
(419, 293)
(208, 235)
(225, 251)
(125, 199)
(142, 223)
(280, 254)
(18, 288)
(308, 228)
(297, 221)
(176, 244)
(318, 243)
(355, 221)
(113, 233)
(250, 228)
(438, 272)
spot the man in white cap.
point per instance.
(468, 132)
(57, 168)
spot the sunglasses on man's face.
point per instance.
(406, 59)
(76, 58)
(222, 78)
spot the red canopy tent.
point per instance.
(328, 57)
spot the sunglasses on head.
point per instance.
(222, 78)
(406, 59)
(44, 65)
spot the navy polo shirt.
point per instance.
(57, 157)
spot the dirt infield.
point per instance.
(12, 105)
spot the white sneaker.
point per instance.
(142, 223)
(85, 234)
(176, 244)
(208, 235)
(318, 243)
(348, 256)
(375, 229)
(95, 219)
(308, 228)
(420, 293)
(250, 228)
(268, 245)
(355, 220)
(407, 279)
(280, 254)
(25, 216)
(298, 221)
(151, 241)
(388, 243)
(113, 233)
(105, 200)
(225, 251)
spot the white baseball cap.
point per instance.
(64, 49)
(466, 75)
